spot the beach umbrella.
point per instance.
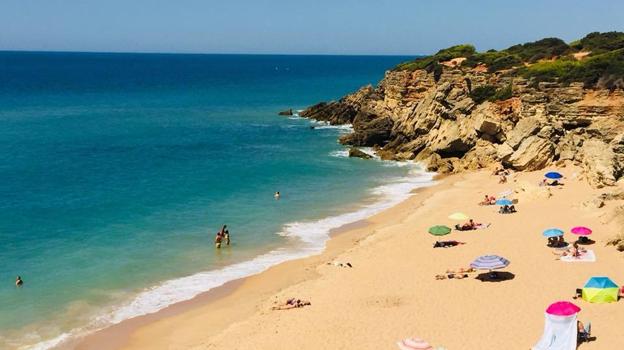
(439, 230)
(553, 175)
(504, 201)
(600, 290)
(553, 232)
(505, 193)
(458, 216)
(489, 262)
(562, 308)
(581, 231)
(414, 344)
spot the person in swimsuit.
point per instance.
(19, 282)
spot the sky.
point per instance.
(377, 27)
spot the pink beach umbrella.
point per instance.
(562, 308)
(581, 231)
(414, 344)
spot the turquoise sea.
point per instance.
(116, 170)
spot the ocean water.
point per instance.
(116, 170)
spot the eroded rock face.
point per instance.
(410, 115)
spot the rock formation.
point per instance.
(432, 117)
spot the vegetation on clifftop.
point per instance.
(597, 60)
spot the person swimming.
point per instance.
(277, 195)
(18, 281)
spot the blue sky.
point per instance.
(296, 27)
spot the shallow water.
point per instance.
(116, 170)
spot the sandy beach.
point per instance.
(391, 292)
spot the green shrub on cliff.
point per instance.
(604, 70)
(440, 56)
(548, 59)
(601, 42)
(484, 93)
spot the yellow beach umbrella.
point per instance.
(600, 290)
(458, 216)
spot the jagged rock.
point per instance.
(357, 153)
(524, 128)
(436, 163)
(593, 204)
(600, 163)
(432, 118)
(375, 132)
(286, 112)
(532, 154)
(504, 152)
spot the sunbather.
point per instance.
(583, 332)
(502, 179)
(575, 251)
(292, 303)
(447, 244)
(488, 200)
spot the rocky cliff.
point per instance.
(435, 117)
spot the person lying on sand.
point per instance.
(575, 251)
(447, 244)
(502, 179)
(340, 264)
(488, 200)
(291, 303)
(461, 273)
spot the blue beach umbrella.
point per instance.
(504, 201)
(489, 262)
(552, 232)
(553, 175)
(600, 290)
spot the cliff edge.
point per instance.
(461, 110)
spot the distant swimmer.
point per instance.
(277, 195)
(18, 281)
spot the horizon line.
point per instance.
(205, 53)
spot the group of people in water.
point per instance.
(223, 236)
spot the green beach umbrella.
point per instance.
(439, 230)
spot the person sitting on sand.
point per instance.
(578, 293)
(512, 208)
(544, 182)
(292, 303)
(447, 244)
(18, 281)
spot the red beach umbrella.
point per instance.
(562, 308)
(581, 231)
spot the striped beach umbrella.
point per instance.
(489, 262)
(562, 308)
(439, 230)
(581, 231)
(414, 344)
(600, 290)
(458, 216)
(504, 201)
(505, 193)
(552, 232)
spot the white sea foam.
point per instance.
(311, 237)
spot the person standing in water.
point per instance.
(19, 282)
(277, 195)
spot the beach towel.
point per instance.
(588, 256)
(559, 333)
